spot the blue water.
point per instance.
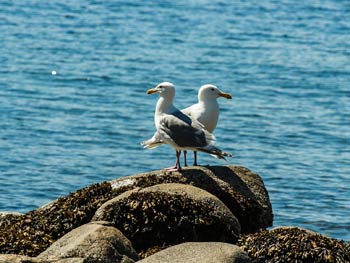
(287, 64)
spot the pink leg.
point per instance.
(177, 165)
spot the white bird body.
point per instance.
(206, 111)
(177, 129)
(164, 106)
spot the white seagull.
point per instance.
(177, 129)
(206, 111)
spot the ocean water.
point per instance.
(73, 102)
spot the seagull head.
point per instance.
(164, 89)
(210, 91)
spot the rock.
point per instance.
(66, 260)
(94, 242)
(293, 244)
(241, 190)
(168, 214)
(6, 213)
(7, 218)
(12, 258)
(32, 233)
(200, 252)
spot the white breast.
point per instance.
(206, 113)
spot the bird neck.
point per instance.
(165, 105)
(208, 102)
(209, 114)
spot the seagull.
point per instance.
(178, 130)
(206, 111)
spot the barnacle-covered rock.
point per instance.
(293, 244)
(12, 258)
(29, 234)
(241, 190)
(32, 233)
(167, 214)
(203, 252)
(95, 242)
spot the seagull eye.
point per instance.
(212, 89)
(160, 87)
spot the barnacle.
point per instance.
(32, 233)
(293, 245)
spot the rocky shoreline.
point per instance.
(200, 214)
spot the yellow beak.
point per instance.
(150, 91)
(225, 95)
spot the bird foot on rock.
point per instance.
(174, 168)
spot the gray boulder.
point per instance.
(168, 214)
(94, 242)
(12, 258)
(65, 260)
(241, 190)
(200, 252)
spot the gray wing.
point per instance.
(184, 131)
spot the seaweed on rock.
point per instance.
(31, 233)
(168, 214)
(293, 244)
